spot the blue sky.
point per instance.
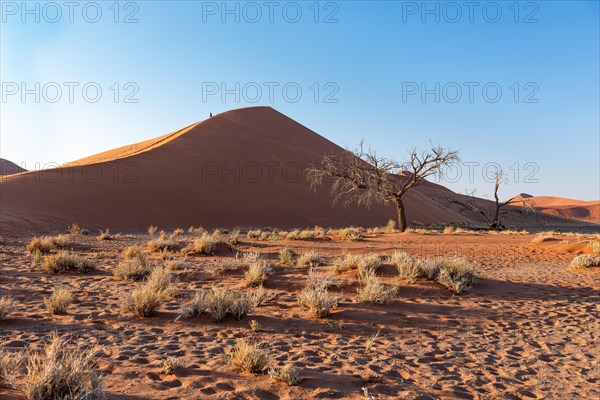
(370, 61)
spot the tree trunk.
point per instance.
(401, 216)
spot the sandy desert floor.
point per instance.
(528, 329)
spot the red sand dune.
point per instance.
(567, 208)
(9, 167)
(239, 168)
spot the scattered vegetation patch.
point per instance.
(59, 301)
(287, 374)
(7, 306)
(544, 237)
(351, 234)
(585, 261)
(64, 260)
(248, 356)
(134, 252)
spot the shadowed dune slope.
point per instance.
(9, 167)
(240, 168)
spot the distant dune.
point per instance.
(240, 168)
(9, 167)
(562, 207)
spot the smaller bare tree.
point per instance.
(492, 217)
(362, 177)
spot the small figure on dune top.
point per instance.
(210, 115)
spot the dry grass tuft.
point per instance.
(366, 264)
(257, 271)
(45, 244)
(76, 230)
(59, 301)
(286, 256)
(9, 364)
(134, 252)
(456, 274)
(162, 243)
(259, 296)
(373, 291)
(585, 261)
(61, 373)
(142, 301)
(595, 247)
(248, 356)
(135, 269)
(218, 303)
(309, 259)
(409, 268)
(351, 234)
(7, 305)
(287, 374)
(64, 260)
(317, 301)
(105, 235)
(171, 364)
(205, 244)
(152, 230)
(544, 237)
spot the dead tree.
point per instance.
(360, 176)
(492, 218)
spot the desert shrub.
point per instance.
(585, 261)
(240, 307)
(456, 274)
(218, 302)
(287, 374)
(161, 243)
(352, 234)
(286, 256)
(205, 244)
(135, 269)
(142, 301)
(76, 230)
(104, 235)
(259, 296)
(234, 238)
(64, 260)
(391, 226)
(595, 247)
(317, 301)
(175, 265)
(7, 305)
(366, 264)
(373, 291)
(9, 364)
(61, 373)
(449, 230)
(248, 356)
(171, 364)
(255, 325)
(176, 232)
(309, 259)
(45, 244)
(133, 252)
(256, 273)
(160, 280)
(152, 230)
(544, 237)
(324, 280)
(59, 301)
(409, 268)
